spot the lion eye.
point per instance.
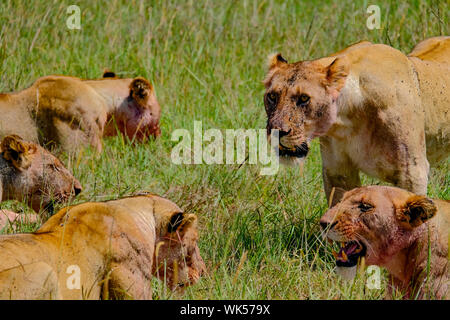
(302, 100)
(364, 207)
(272, 98)
(53, 167)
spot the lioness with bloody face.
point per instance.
(70, 112)
(375, 110)
(33, 175)
(103, 250)
(408, 234)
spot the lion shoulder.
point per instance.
(433, 49)
(357, 45)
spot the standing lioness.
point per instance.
(375, 110)
(103, 250)
(70, 112)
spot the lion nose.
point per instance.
(77, 188)
(282, 132)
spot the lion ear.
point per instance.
(276, 60)
(181, 223)
(335, 70)
(16, 151)
(336, 74)
(175, 221)
(109, 74)
(140, 90)
(415, 211)
(189, 222)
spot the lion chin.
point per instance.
(347, 273)
(291, 161)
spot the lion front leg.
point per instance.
(414, 175)
(338, 172)
(125, 283)
(403, 162)
(74, 138)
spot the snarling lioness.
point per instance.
(375, 110)
(108, 250)
(408, 234)
(70, 112)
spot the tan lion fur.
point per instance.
(69, 112)
(31, 174)
(117, 247)
(399, 230)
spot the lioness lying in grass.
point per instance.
(103, 250)
(68, 112)
(31, 174)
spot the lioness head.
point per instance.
(300, 102)
(375, 222)
(138, 115)
(177, 256)
(34, 175)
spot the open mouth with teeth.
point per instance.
(349, 253)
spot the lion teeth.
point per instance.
(344, 255)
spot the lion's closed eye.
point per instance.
(365, 207)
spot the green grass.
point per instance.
(207, 60)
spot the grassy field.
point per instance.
(259, 234)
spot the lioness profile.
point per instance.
(103, 250)
(408, 234)
(33, 175)
(375, 110)
(70, 112)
